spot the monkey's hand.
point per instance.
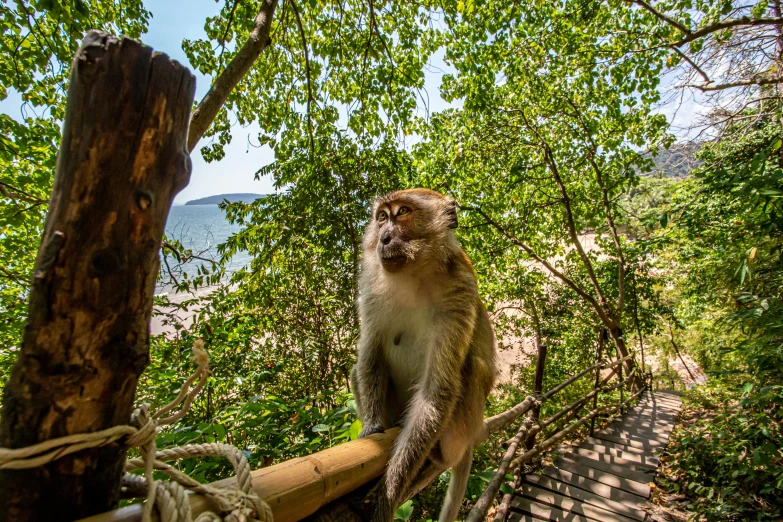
(371, 429)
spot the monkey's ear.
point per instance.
(452, 214)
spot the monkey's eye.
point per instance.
(382, 215)
(403, 210)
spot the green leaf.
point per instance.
(404, 512)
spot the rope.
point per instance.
(169, 497)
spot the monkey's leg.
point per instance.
(457, 485)
(431, 407)
(357, 392)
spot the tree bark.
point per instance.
(122, 160)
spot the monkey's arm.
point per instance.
(370, 382)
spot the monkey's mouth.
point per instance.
(393, 261)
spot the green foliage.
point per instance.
(728, 456)
(719, 248)
(365, 59)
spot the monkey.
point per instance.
(426, 350)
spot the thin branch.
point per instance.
(677, 351)
(692, 64)
(607, 207)
(307, 72)
(742, 83)
(240, 65)
(17, 194)
(554, 271)
(14, 277)
(566, 201)
(744, 21)
(661, 16)
(225, 35)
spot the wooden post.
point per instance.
(636, 320)
(599, 350)
(622, 385)
(122, 160)
(538, 381)
(538, 387)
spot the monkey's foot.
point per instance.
(371, 430)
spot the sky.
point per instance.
(175, 20)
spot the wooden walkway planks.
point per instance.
(604, 478)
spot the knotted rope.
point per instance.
(169, 497)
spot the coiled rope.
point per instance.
(169, 497)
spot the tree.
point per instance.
(540, 157)
(731, 51)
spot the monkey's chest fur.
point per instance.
(406, 337)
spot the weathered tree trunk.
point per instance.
(122, 159)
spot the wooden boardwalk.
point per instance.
(606, 477)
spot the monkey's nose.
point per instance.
(386, 238)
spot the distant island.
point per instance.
(232, 198)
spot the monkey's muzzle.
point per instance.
(393, 263)
(393, 258)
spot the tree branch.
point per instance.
(225, 35)
(607, 207)
(17, 194)
(307, 72)
(14, 277)
(742, 83)
(554, 271)
(237, 69)
(744, 21)
(659, 15)
(692, 64)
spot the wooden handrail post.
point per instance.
(538, 388)
(122, 159)
(622, 385)
(601, 339)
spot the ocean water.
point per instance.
(200, 228)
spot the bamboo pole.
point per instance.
(538, 387)
(505, 419)
(479, 511)
(296, 488)
(557, 437)
(502, 511)
(576, 404)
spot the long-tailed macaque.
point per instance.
(426, 359)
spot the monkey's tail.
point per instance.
(457, 486)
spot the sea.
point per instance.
(200, 228)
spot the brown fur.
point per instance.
(426, 356)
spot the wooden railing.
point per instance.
(325, 485)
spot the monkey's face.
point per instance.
(405, 224)
(396, 223)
